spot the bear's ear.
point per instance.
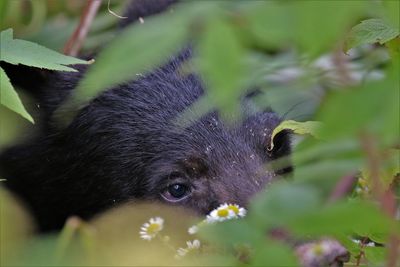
(46, 89)
(25, 78)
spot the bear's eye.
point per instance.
(176, 192)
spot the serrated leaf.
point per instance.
(15, 51)
(369, 32)
(302, 128)
(9, 97)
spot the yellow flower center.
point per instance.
(153, 228)
(234, 208)
(223, 213)
(318, 249)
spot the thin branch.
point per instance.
(75, 42)
(113, 13)
(343, 187)
(339, 59)
(386, 198)
(369, 145)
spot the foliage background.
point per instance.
(332, 61)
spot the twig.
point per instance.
(386, 198)
(340, 62)
(75, 42)
(369, 145)
(113, 13)
(343, 187)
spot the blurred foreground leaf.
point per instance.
(220, 62)
(343, 218)
(148, 44)
(15, 227)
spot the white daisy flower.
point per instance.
(239, 212)
(193, 230)
(191, 246)
(195, 244)
(181, 252)
(220, 214)
(150, 229)
(226, 212)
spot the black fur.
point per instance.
(124, 146)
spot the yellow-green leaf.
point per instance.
(302, 128)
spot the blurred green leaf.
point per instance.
(235, 232)
(17, 51)
(271, 23)
(357, 109)
(273, 254)
(284, 202)
(375, 255)
(311, 150)
(371, 31)
(221, 64)
(342, 218)
(392, 11)
(148, 44)
(9, 97)
(319, 24)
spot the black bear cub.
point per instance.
(125, 146)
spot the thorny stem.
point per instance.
(386, 198)
(343, 187)
(339, 60)
(369, 145)
(75, 42)
(362, 253)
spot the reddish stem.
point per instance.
(74, 44)
(343, 187)
(386, 198)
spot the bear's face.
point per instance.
(208, 163)
(125, 145)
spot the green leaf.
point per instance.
(221, 64)
(138, 49)
(375, 255)
(392, 11)
(274, 254)
(319, 24)
(351, 111)
(343, 218)
(302, 128)
(9, 97)
(283, 202)
(270, 22)
(17, 51)
(371, 31)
